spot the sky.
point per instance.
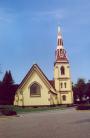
(28, 35)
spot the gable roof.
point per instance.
(38, 69)
(52, 82)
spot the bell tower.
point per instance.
(62, 76)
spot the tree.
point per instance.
(7, 79)
(79, 90)
(7, 89)
(87, 92)
(75, 93)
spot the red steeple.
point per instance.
(60, 52)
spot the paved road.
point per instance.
(49, 124)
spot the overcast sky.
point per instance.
(28, 35)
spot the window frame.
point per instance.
(62, 69)
(61, 85)
(31, 93)
(65, 84)
(64, 98)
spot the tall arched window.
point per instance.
(61, 84)
(62, 70)
(65, 84)
(64, 97)
(35, 90)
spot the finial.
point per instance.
(59, 29)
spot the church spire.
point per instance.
(59, 37)
(62, 77)
(60, 52)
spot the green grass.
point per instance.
(39, 109)
(34, 109)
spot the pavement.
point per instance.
(67, 123)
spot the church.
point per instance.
(37, 90)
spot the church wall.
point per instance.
(54, 99)
(68, 85)
(57, 73)
(69, 99)
(28, 100)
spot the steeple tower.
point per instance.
(62, 73)
(60, 51)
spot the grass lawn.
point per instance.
(34, 109)
(38, 109)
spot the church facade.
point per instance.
(36, 90)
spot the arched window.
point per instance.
(61, 84)
(62, 70)
(65, 85)
(35, 90)
(64, 97)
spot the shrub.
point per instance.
(83, 107)
(7, 112)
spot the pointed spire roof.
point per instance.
(59, 29)
(60, 52)
(59, 34)
(59, 38)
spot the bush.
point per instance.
(7, 112)
(83, 107)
